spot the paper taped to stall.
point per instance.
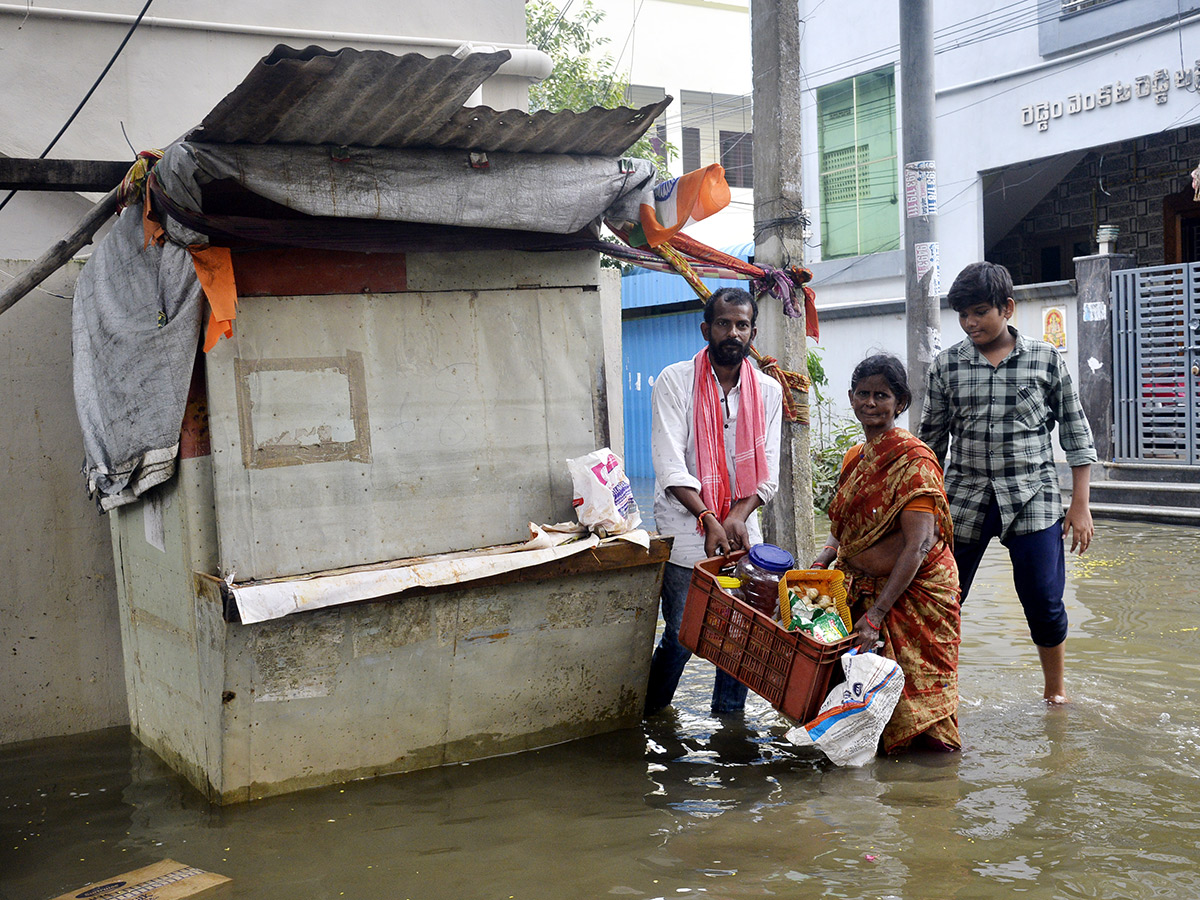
(260, 602)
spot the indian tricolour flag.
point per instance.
(683, 200)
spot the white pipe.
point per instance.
(1072, 57)
(527, 61)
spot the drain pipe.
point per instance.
(527, 61)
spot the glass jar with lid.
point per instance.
(731, 585)
(760, 571)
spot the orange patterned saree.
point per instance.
(921, 631)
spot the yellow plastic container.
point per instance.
(827, 581)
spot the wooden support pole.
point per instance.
(61, 251)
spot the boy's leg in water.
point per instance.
(1040, 576)
(1054, 664)
(967, 556)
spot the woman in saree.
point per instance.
(892, 536)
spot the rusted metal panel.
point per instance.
(596, 132)
(365, 98)
(194, 438)
(369, 98)
(290, 271)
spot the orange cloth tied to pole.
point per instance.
(214, 269)
(791, 381)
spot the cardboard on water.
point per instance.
(166, 880)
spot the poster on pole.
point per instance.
(926, 259)
(920, 189)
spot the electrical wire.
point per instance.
(960, 32)
(554, 25)
(36, 287)
(91, 90)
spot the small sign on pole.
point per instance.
(920, 189)
(926, 258)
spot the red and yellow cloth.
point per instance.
(750, 441)
(921, 632)
(213, 265)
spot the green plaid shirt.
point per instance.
(1001, 418)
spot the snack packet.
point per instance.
(826, 627)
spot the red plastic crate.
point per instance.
(790, 670)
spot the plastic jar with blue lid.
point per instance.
(760, 572)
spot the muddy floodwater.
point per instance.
(1099, 799)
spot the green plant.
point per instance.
(582, 76)
(830, 436)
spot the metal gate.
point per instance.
(1156, 364)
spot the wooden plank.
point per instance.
(60, 252)
(61, 174)
(605, 558)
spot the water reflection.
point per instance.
(1098, 799)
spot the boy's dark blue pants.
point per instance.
(1039, 573)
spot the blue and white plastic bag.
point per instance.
(852, 718)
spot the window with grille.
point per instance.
(1074, 6)
(857, 149)
(690, 151)
(737, 158)
(840, 182)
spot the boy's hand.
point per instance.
(1078, 521)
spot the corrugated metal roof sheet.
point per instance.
(369, 98)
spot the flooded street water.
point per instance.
(1099, 799)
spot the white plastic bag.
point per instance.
(603, 496)
(853, 716)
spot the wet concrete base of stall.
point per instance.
(1096, 799)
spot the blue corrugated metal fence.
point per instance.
(652, 342)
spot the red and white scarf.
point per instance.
(749, 453)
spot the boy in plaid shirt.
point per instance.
(1000, 394)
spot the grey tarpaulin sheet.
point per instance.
(559, 194)
(131, 373)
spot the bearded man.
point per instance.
(715, 445)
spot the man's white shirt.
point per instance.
(673, 449)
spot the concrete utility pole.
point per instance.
(778, 238)
(921, 269)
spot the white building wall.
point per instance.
(694, 46)
(846, 341)
(986, 98)
(62, 669)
